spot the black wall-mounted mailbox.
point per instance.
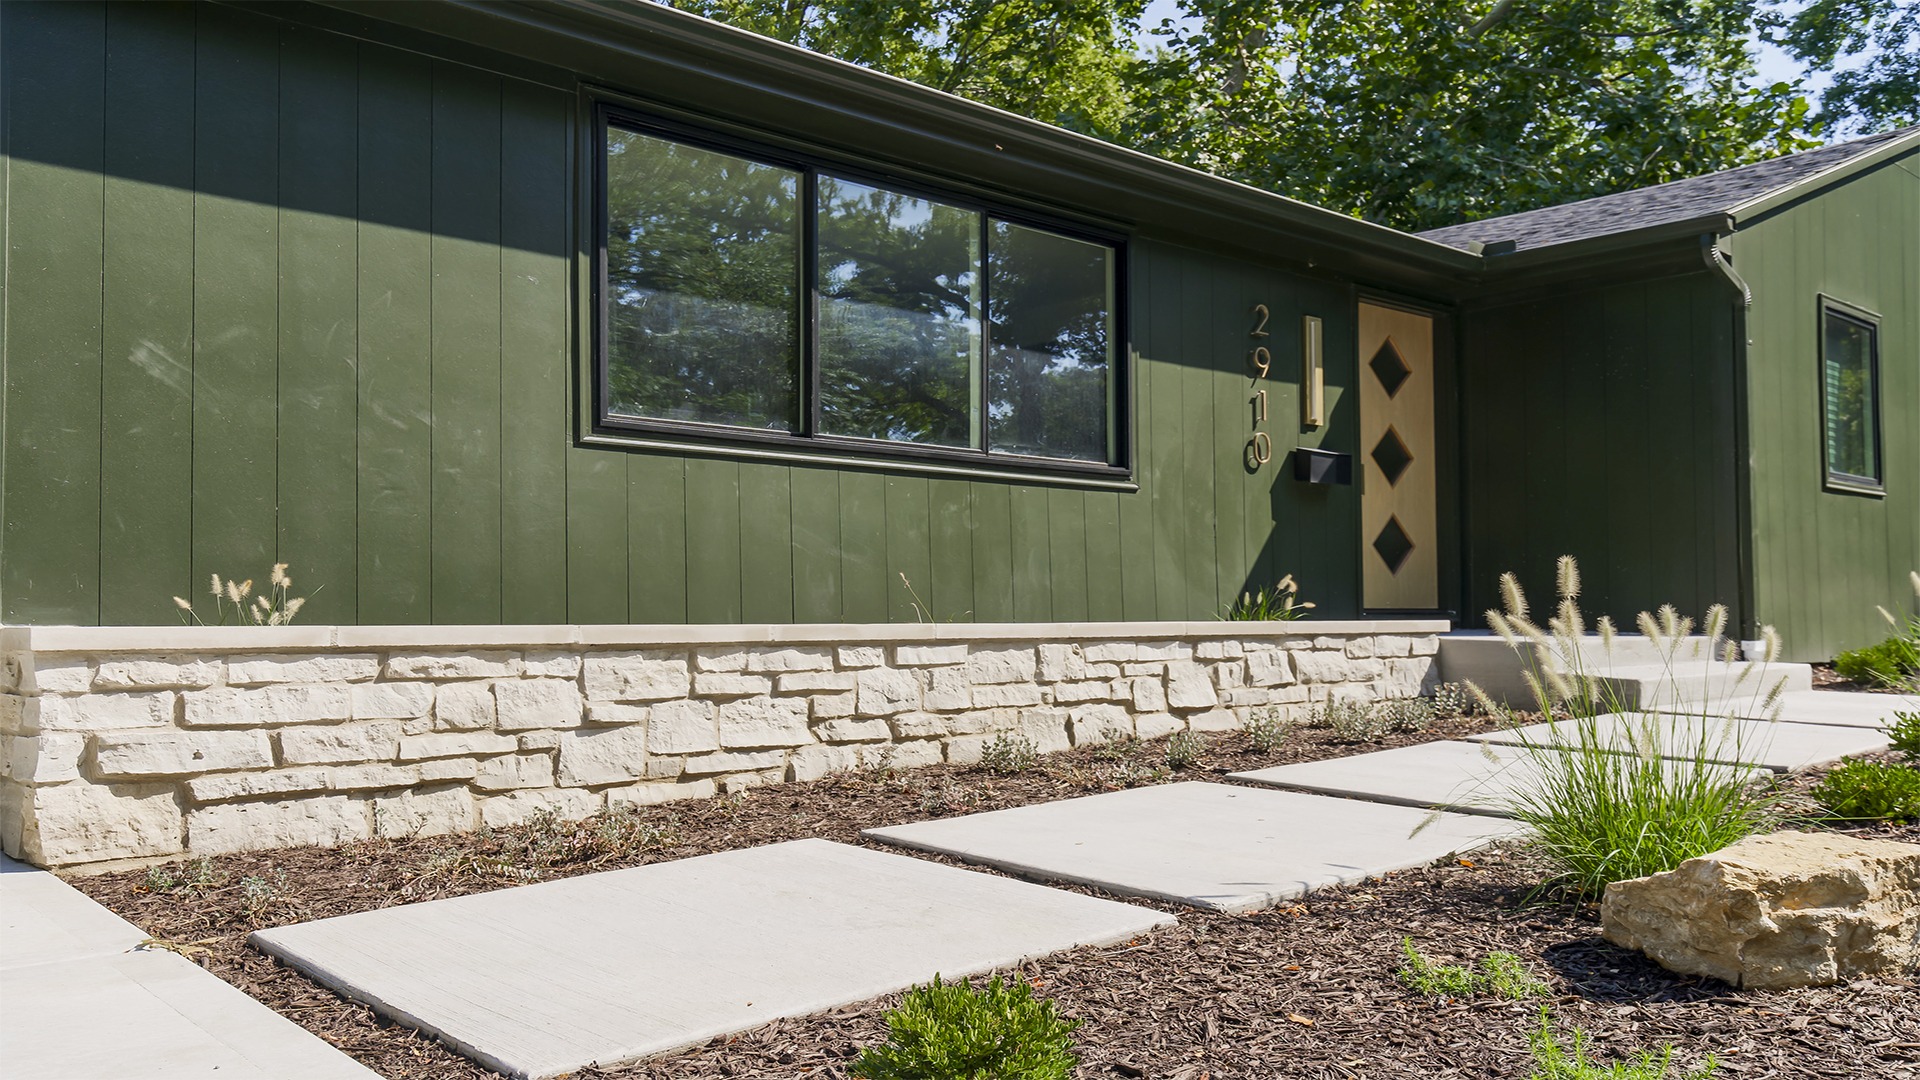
(1322, 466)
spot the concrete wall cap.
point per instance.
(178, 639)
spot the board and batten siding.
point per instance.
(1825, 559)
(1602, 422)
(276, 294)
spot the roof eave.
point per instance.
(1809, 185)
(1231, 212)
(1666, 248)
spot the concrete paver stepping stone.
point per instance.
(1833, 708)
(143, 1015)
(1213, 846)
(1466, 777)
(80, 1002)
(1781, 747)
(44, 919)
(545, 979)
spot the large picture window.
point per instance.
(1850, 397)
(755, 296)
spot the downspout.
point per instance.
(1722, 266)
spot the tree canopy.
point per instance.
(1411, 113)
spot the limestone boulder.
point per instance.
(1782, 910)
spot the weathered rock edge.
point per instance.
(1783, 910)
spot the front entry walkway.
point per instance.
(542, 980)
(83, 1000)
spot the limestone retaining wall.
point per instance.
(144, 743)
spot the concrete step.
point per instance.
(1780, 747)
(1635, 673)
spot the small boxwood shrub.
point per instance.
(1871, 789)
(950, 1031)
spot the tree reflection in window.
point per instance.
(1050, 317)
(703, 285)
(1852, 399)
(899, 316)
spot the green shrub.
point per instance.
(1184, 749)
(950, 1031)
(1008, 753)
(1892, 663)
(1507, 976)
(1636, 793)
(1268, 728)
(1502, 974)
(1278, 603)
(1860, 790)
(1554, 1061)
(1425, 977)
(1905, 734)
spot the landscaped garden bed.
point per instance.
(1308, 989)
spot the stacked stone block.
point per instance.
(115, 755)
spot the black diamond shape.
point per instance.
(1392, 456)
(1390, 368)
(1394, 545)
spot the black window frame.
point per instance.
(808, 439)
(1831, 479)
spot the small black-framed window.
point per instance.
(1850, 435)
(758, 296)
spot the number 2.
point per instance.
(1260, 328)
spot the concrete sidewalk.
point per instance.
(82, 1001)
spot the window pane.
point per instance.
(1050, 309)
(703, 285)
(899, 316)
(1852, 442)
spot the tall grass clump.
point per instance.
(1277, 603)
(235, 599)
(1614, 791)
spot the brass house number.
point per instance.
(1260, 361)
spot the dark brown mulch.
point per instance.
(1305, 991)
(1826, 678)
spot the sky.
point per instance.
(1774, 65)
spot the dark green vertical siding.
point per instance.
(1599, 425)
(1823, 560)
(146, 389)
(279, 295)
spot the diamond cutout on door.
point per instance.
(1393, 545)
(1390, 368)
(1392, 456)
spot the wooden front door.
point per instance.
(1398, 519)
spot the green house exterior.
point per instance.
(316, 284)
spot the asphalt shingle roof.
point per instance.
(1676, 201)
